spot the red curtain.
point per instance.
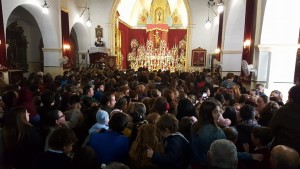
(220, 35)
(125, 42)
(65, 36)
(140, 35)
(175, 35)
(249, 29)
(3, 60)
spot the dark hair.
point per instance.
(294, 94)
(231, 133)
(160, 105)
(121, 103)
(116, 165)
(168, 121)
(9, 98)
(264, 134)
(247, 112)
(185, 126)
(205, 114)
(255, 91)
(185, 108)
(220, 98)
(265, 98)
(48, 97)
(118, 121)
(85, 158)
(61, 137)
(86, 89)
(74, 99)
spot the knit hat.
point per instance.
(102, 117)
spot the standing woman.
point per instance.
(204, 132)
(21, 140)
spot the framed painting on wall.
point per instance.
(198, 57)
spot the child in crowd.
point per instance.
(261, 137)
(176, 151)
(232, 135)
(102, 122)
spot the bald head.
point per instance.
(284, 157)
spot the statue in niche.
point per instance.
(157, 39)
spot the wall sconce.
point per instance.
(66, 47)
(247, 44)
(298, 46)
(45, 7)
(220, 5)
(217, 51)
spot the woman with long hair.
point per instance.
(204, 132)
(20, 139)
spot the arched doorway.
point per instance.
(138, 4)
(79, 42)
(24, 39)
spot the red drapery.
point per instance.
(65, 36)
(175, 35)
(3, 60)
(125, 42)
(219, 45)
(249, 29)
(127, 34)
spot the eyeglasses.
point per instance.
(61, 116)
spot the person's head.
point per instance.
(276, 94)
(185, 126)
(109, 100)
(209, 111)
(85, 158)
(152, 118)
(62, 139)
(88, 91)
(10, 98)
(102, 117)
(137, 111)
(185, 108)
(284, 157)
(261, 136)
(262, 101)
(75, 101)
(160, 105)
(231, 133)
(118, 121)
(247, 112)
(116, 165)
(253, 94)
(294, 94)
(260, 87)
(223, 154)
(54, 118)
(230, 76)
(167, 124)
(48, 98)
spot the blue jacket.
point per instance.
(176, 153)
(110, 146)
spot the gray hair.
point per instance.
(223, 154)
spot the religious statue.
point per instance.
(99, 35)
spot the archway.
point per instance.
(114, 33)
(23, 37)
(79, 44)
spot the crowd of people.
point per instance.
(144, 119)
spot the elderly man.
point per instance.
(223, 155)
(284, 157)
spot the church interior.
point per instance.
(249, 38)
(149, 84)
